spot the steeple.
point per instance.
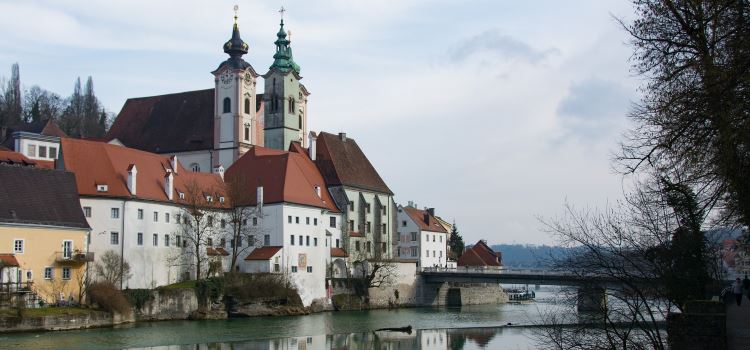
(235, 48)
(283, 60)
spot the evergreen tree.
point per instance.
(90, 126)
(456, 242)
(72, 117)
(10, 109)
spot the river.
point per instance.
(468, 327)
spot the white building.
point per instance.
(421, 237)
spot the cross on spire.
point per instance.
(236, 8)
(281, 11)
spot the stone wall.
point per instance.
(457, 294)
(701, 325)
(168, 304)
(60, 322)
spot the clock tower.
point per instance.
(236, 126)
(284, 98)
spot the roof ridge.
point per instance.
(170, 94)
(305, 176)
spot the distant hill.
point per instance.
(528, 255)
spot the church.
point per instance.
(211, 129)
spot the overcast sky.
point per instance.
(493, 112)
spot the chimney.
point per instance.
(426, 218)
(132, 174)
(342, 136)
(431, 211)
(220, 171)
(259, 196)
(169, 185)
(312, 148)
(173, 159)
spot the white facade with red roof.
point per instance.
(421, 237)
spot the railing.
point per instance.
(73, 257)
(16, 287)
(490, 270)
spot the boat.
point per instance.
(516, 295)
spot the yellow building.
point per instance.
(43, 227)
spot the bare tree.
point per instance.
(111, 268)
(198, 225)
(243, 218)
(369, 272)
(40, 104)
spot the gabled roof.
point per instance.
(15, 158)
(287, 177)
(418, 216)
(97, 163)
(46, 127)
(8, 260)
(480, 255)
(263, 253)
(339, 253)
(39, 196)
(216, 251)
(342, 162)
(168, 123)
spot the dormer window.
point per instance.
(102, 188)
(209, 199)
(227, 105)
(221, 199)
(182, 195)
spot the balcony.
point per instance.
(74, 257)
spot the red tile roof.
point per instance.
(263, 253)
(8, 260)
(96, 163)
(285, 176)
(169, 123)
(216, 251)
(342, 162)
(15, 158)
(418, 216)
(480, 255)
(339, 253)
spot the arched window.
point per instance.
(227, 105)
(247, 105)
(196, 168)
(291, 105)
(247, 133)
(300, 122)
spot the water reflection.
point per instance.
(426, 339)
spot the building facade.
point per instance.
(421, 237)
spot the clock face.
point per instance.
(248, 79)
(226, 79)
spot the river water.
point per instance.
(468, 327)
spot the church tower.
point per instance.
(284, 97)
(236, 126)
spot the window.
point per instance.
(156, 216)
(351, 206)
(87, 212)
(177, 218)
(383, 247)
(140, 238)
(223, 223)
(351, 225)
(292, 239)
(29, 275)
(239, 240)
(433, 238)
(383, 229)
(67, 249)
(441, 239)
(315, 221)
(289, 219)
(196, 168)
(337, 242)
(307, 220)
(43, 151)
(210, 221)
(115, 213)
(155, 240)
(300, 239)
(369, 226)
(267, 240)
(403, 223)
(31, 150)
(299, 119)
(367, 206)
(315, 241)
(369, 246)
(18, 246)
(166, 217)
(356, 245)
(48, 273)
(413, 251)
(231, 243)
(383, 210)
(413, 236)
(247, 108)
(114, 238)
(247, 133)
(227, 105)
(309, 269)
(291, 106)
(140, 214)
(427, 237)
(428, 253)
(223, 242)
(177, 241)
(52, 152)
(332, 222)
(296, 219)
(166, 240)
(294, 268)
(66, 273)
(210, 241)
(307, 241)
(441, 253)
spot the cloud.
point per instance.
(495, 44)
(594, 107)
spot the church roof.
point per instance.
(288, 177)
(342, 162)
(167, 123)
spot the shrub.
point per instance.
(138, 297)
(264, 287)
(109, 298)
(209, 289)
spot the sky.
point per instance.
(495, 113)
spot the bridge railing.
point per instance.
(489, 270)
